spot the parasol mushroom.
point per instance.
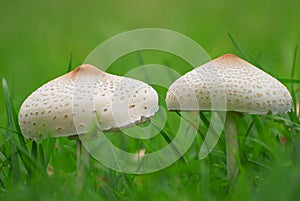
(72, 103)
(234, 86)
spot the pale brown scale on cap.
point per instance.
(78, 95)
(230, 80)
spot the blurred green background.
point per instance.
(37, 37)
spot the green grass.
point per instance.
(40, 41)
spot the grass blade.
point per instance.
(70, 63)
(14, 160)
(42, 156)
(293, 113)
(32, 163)
(12, 113)
(14, 163)
(256, 63)
(237, 47)
(287, 80)
(192, 124)
(49, 151)
(204, 119)
(13, 124)
(8, 129)
(253, 60)
(169, 141)
(292, 77)
(248, 132)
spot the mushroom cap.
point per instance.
(72, 103)
(228, 83)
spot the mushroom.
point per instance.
(72, 103)
(229, 84)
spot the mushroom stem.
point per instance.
(78, 150)
(82, 164)
(232, 146)
(82, 156)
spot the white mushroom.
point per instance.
(247, 88)
(229, 83)
(71, 104)
(82, 95)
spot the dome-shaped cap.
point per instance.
(230, 80)
(70, 104)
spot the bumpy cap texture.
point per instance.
(228, 83)
(72, 103)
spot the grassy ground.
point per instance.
(36, 40)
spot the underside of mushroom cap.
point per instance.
(229, 83)
(72, 103)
